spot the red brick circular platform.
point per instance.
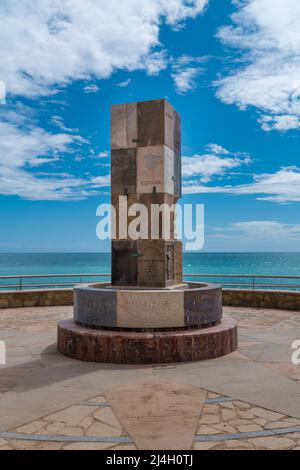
(121, 347)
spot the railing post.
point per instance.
(253, 284)
(20, 283)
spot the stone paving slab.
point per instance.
(247, 400)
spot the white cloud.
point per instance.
(268, 34)
(59, 122)
(261, 228)
(212, 164)
(155, 62)
(48, 44)
(282, 186)
(24, 148)
(185, 70)
(279, 123)
(18, 182)
(124, 84)
(104, 154)
(93, 38)
(19, 147)
(92, 88)
(185, 79)
(217, 149)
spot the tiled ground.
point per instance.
(93, 418)
(247, 400)
(235, 422)
(234, 417)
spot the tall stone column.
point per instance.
(146, 169)
(146, 314)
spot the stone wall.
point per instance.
(36, 298)
(286, 300)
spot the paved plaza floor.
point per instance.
(247, 400)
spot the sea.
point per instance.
(235, 264)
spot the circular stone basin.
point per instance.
(189, 305)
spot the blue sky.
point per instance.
(230, 67)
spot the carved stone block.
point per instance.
(124, 126)
(159, 263)
(202, 307)
(95, 307)
(123, 171)
(155, 170)
(152, 309)
(161, 214)
(151, 129)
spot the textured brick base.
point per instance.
(119, 347)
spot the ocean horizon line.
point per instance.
(109, 252)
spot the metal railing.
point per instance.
(58, 281)
(236, 281)
(254, 281)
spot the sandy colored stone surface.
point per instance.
(152, 310)
(151, 407)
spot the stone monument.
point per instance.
(146, 314)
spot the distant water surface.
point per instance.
(14, 264)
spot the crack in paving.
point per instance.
(244, 435)
(94, 403)
(218, 400)
(61, 438)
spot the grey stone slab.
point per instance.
(269, 352)
(54, 388)
(95, 307)
(273, 334)
(123, 171)
(242, 380)
(202, 306)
